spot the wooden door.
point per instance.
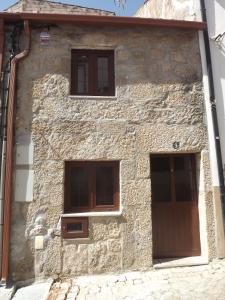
(175, 219)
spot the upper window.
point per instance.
(91, 186)
(92, 73)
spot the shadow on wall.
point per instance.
(22, 258)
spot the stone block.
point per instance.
(127, 170)
(143, 166)
(137, 193)
(101, 260)
(114, 245)
(75, 260)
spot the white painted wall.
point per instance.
(24, 174)
(167, 9)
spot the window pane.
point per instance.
(104, 185)
(79, 187)
(71, 227)
(82, 75)
(183, 173)
(103, 75)
(160, 179)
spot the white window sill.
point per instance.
(94, 214)
(80, 97)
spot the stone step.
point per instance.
(7, 293)
(36, 291)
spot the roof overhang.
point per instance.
(35, 18)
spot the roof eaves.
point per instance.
(101, 20)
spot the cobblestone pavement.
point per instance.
(189, 283)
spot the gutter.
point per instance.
(100, 20)
(214, 138)
(9, 152)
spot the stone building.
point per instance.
(111, 157)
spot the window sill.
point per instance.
(94, 214)
(80, 97)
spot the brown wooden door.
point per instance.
(175, 219)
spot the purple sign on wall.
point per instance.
(44, 38)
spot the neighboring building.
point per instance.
(168, 9)
(112, 155)
(41, 6)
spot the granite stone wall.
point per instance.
(158, 101)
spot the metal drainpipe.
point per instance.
(2, 42)
(9, 152)
(213, 109)
(3, 123)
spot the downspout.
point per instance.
(2, 43)
(9, 152)
(214, 138)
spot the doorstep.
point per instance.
(6, 293)
(35, 291)
(179, 262)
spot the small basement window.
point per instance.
(91, 186)
(74, 228)
(92, 73)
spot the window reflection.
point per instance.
(103, 74)
(82, 74)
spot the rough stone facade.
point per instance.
(43, 6)
(159, 100)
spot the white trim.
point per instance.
(94, 214)
(211, 135)
(80, 97)
(219, 228)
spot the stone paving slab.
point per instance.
(6, 293)
(36, 291)
(186, 283)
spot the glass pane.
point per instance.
(183, 173)
(79, 187)
(82, 75)
(103, 75)
(160, 179)
(71, 227)
(104, 185)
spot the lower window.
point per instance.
(91, 186)
(74, 228)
